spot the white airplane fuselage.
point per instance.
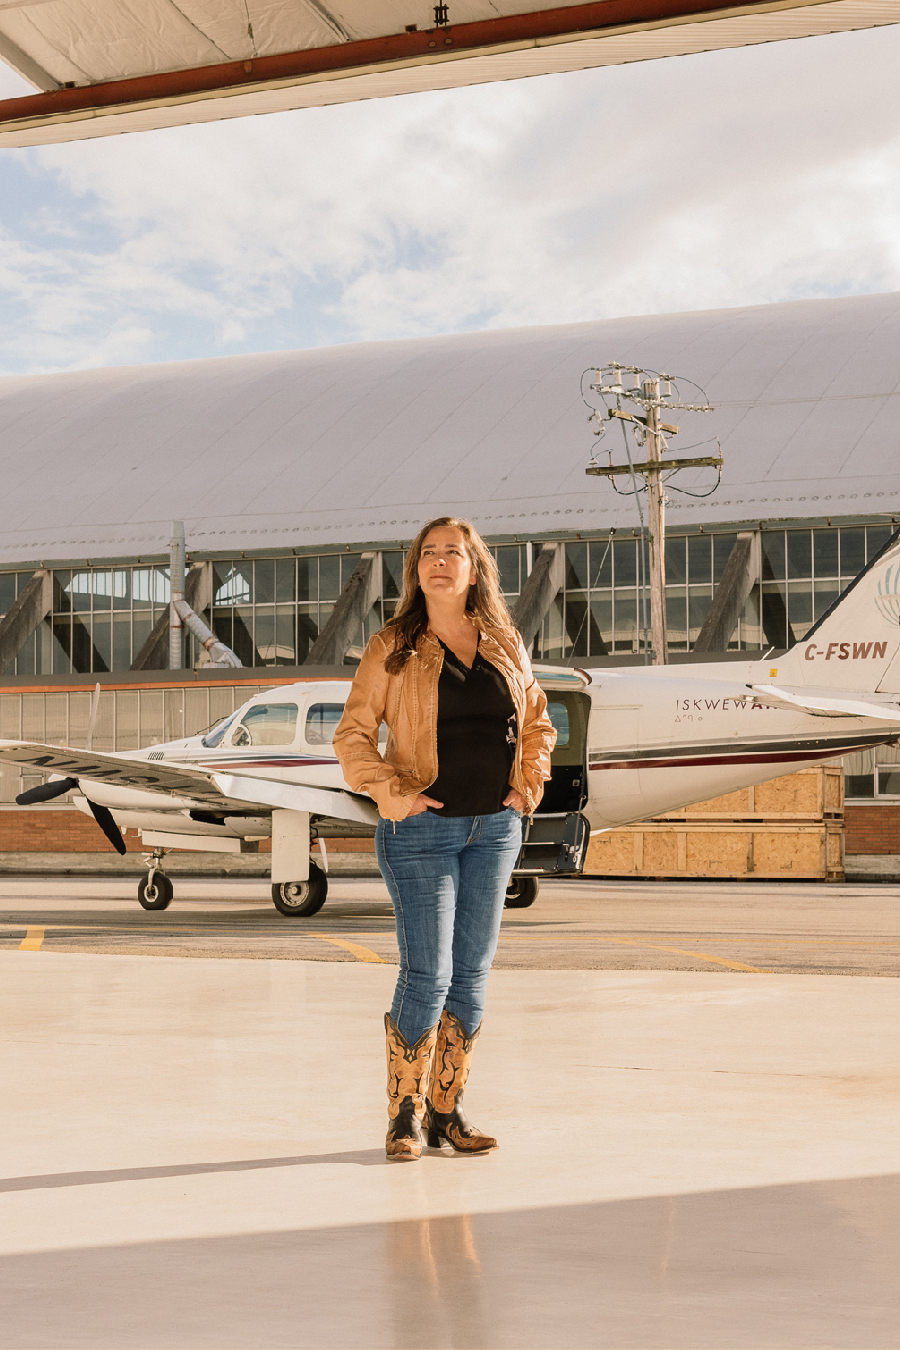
(641, 742)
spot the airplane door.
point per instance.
(614, 783)
(567, 789)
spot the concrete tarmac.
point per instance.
(797, 927)
(193, 1157)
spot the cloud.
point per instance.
(724, 179)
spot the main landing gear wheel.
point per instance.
(155, 891)
(301, 899)
(521, 892)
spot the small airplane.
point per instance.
(632, 744)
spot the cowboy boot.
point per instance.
(444, 1116)
(408, 1069)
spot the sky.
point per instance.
(730, 178)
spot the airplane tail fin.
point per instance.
(856, 643)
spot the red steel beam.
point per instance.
(571, 20)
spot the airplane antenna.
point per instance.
(651, 391)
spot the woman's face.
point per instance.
(445, 568)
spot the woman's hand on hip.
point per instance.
(515, 800)
(421, 803)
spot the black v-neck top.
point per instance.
(476, 738)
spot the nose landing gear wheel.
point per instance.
(521, 892)
(301, 899)
(155, 891)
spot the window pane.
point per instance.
(576, 624)
(121, 589)
(264, 634)
(392, 574)
(285, 578)
(773, 555)
(853, 553)
(236, 584)
(859, 785)
(7, 591)
(307, 630)
(121, 645)
(576, 566)
(889, 782)
(80, 591)
(601, 624)
(676, 559)
(241, 642)
(799, 610)
(82, 650)
(321, 722)
(722, 546)
(825, 553)
(699, 601)
(626, 639)
(559, 716)
(625, 560)
(101, 636)
(349, 564)
(676, 619)
(799, 553)
(264, 580)
(876, 538)
(508, 566)
(329, 577)
(601, 562)
(307, 579)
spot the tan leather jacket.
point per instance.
(407, 703)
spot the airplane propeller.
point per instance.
(45, 792)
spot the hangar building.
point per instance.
(290, 469)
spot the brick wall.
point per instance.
(52, 830)
(871, 828)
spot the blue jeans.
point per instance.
(447, 876)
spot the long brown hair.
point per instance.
(484, 600)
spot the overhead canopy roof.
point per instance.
(109, 66)
(363, 443)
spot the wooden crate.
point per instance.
(789, 827)
(811, 794)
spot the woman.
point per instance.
(467, 755)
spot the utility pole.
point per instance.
(659, 634)
(651, 392)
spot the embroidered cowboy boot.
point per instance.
(444, 1116)
(408, 1067)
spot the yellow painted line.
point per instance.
(361, 953)
(32, 940)
(658, 947)
(704, 956)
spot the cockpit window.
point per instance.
(321, 722)
(214, 737)
(267, 724)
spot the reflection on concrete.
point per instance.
(433, 1278)
(804, 1265)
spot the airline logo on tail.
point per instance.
(887, 597)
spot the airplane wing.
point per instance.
(294, 797)
(216, 790)
(832, 703)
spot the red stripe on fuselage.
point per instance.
(783, 757)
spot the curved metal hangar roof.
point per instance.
(108, 67)
(362, 443)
